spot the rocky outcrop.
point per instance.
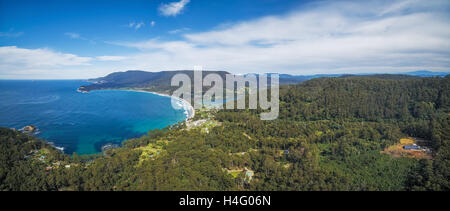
(109, 146)
(29, 129)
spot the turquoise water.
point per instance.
(82, 122)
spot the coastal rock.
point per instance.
(29, 129)
(82, 89)
(109, 146)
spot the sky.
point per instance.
(78, 39)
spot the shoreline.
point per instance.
(190, 109)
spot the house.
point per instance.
(42, 158)
(249, 174)
(411, 147)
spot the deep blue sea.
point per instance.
(82, 122)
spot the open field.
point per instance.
(397, 150)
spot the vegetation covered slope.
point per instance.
(152, 81)
(160, 81)
(328, 137)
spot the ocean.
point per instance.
(83, 122)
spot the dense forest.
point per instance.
(152, 81)
(330, 135)
(160, 81)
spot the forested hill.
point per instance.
(152, 81)
(160, 81)
(332, 134)
(381, 76)
(367, 97)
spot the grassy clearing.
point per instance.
(203, 124)
(397, 150)
(406, 141)
(235, 174)
(151, 150)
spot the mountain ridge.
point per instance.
(160, 81)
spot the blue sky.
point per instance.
(84, 39)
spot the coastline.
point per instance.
(185, 104)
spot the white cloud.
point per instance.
(73, 35)
(174, 8)
(326, 37)
(24, 63)
(323, 37)
(176, 31)
(43, 63)
(135, 25)
(39, 57)
(77, 36)
(11, 34)
(152, 23)
(111, 58)
(139, 25)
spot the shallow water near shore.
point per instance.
(83, 122)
